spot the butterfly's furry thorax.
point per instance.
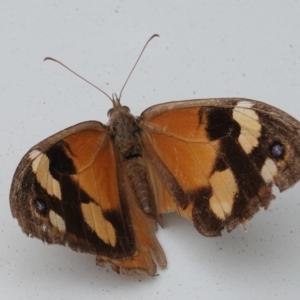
(124, 130)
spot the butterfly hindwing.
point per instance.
(218, 158)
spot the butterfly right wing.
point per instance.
(215, 161)
(70, 189)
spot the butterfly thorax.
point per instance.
(124, 130)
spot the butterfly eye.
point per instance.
(110, 112)
(126, 108)
(277, 150)
(40, 206)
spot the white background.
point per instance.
(206, 49)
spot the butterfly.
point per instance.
(102, 189)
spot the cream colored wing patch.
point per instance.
(224, 190)
(250, 126)
(57, 221)
(40, 166)
(269, 170)
(93, 216)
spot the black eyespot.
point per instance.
(277, 150)
(40, 206)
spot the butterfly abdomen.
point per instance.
(137, 174)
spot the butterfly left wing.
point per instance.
(71, 189)
(215, 161)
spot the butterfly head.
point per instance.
(117, 106)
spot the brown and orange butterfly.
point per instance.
(102, 189)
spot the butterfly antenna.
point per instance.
(57, 61)
(153, 36)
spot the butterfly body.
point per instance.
(124, 130)
(102, 189)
